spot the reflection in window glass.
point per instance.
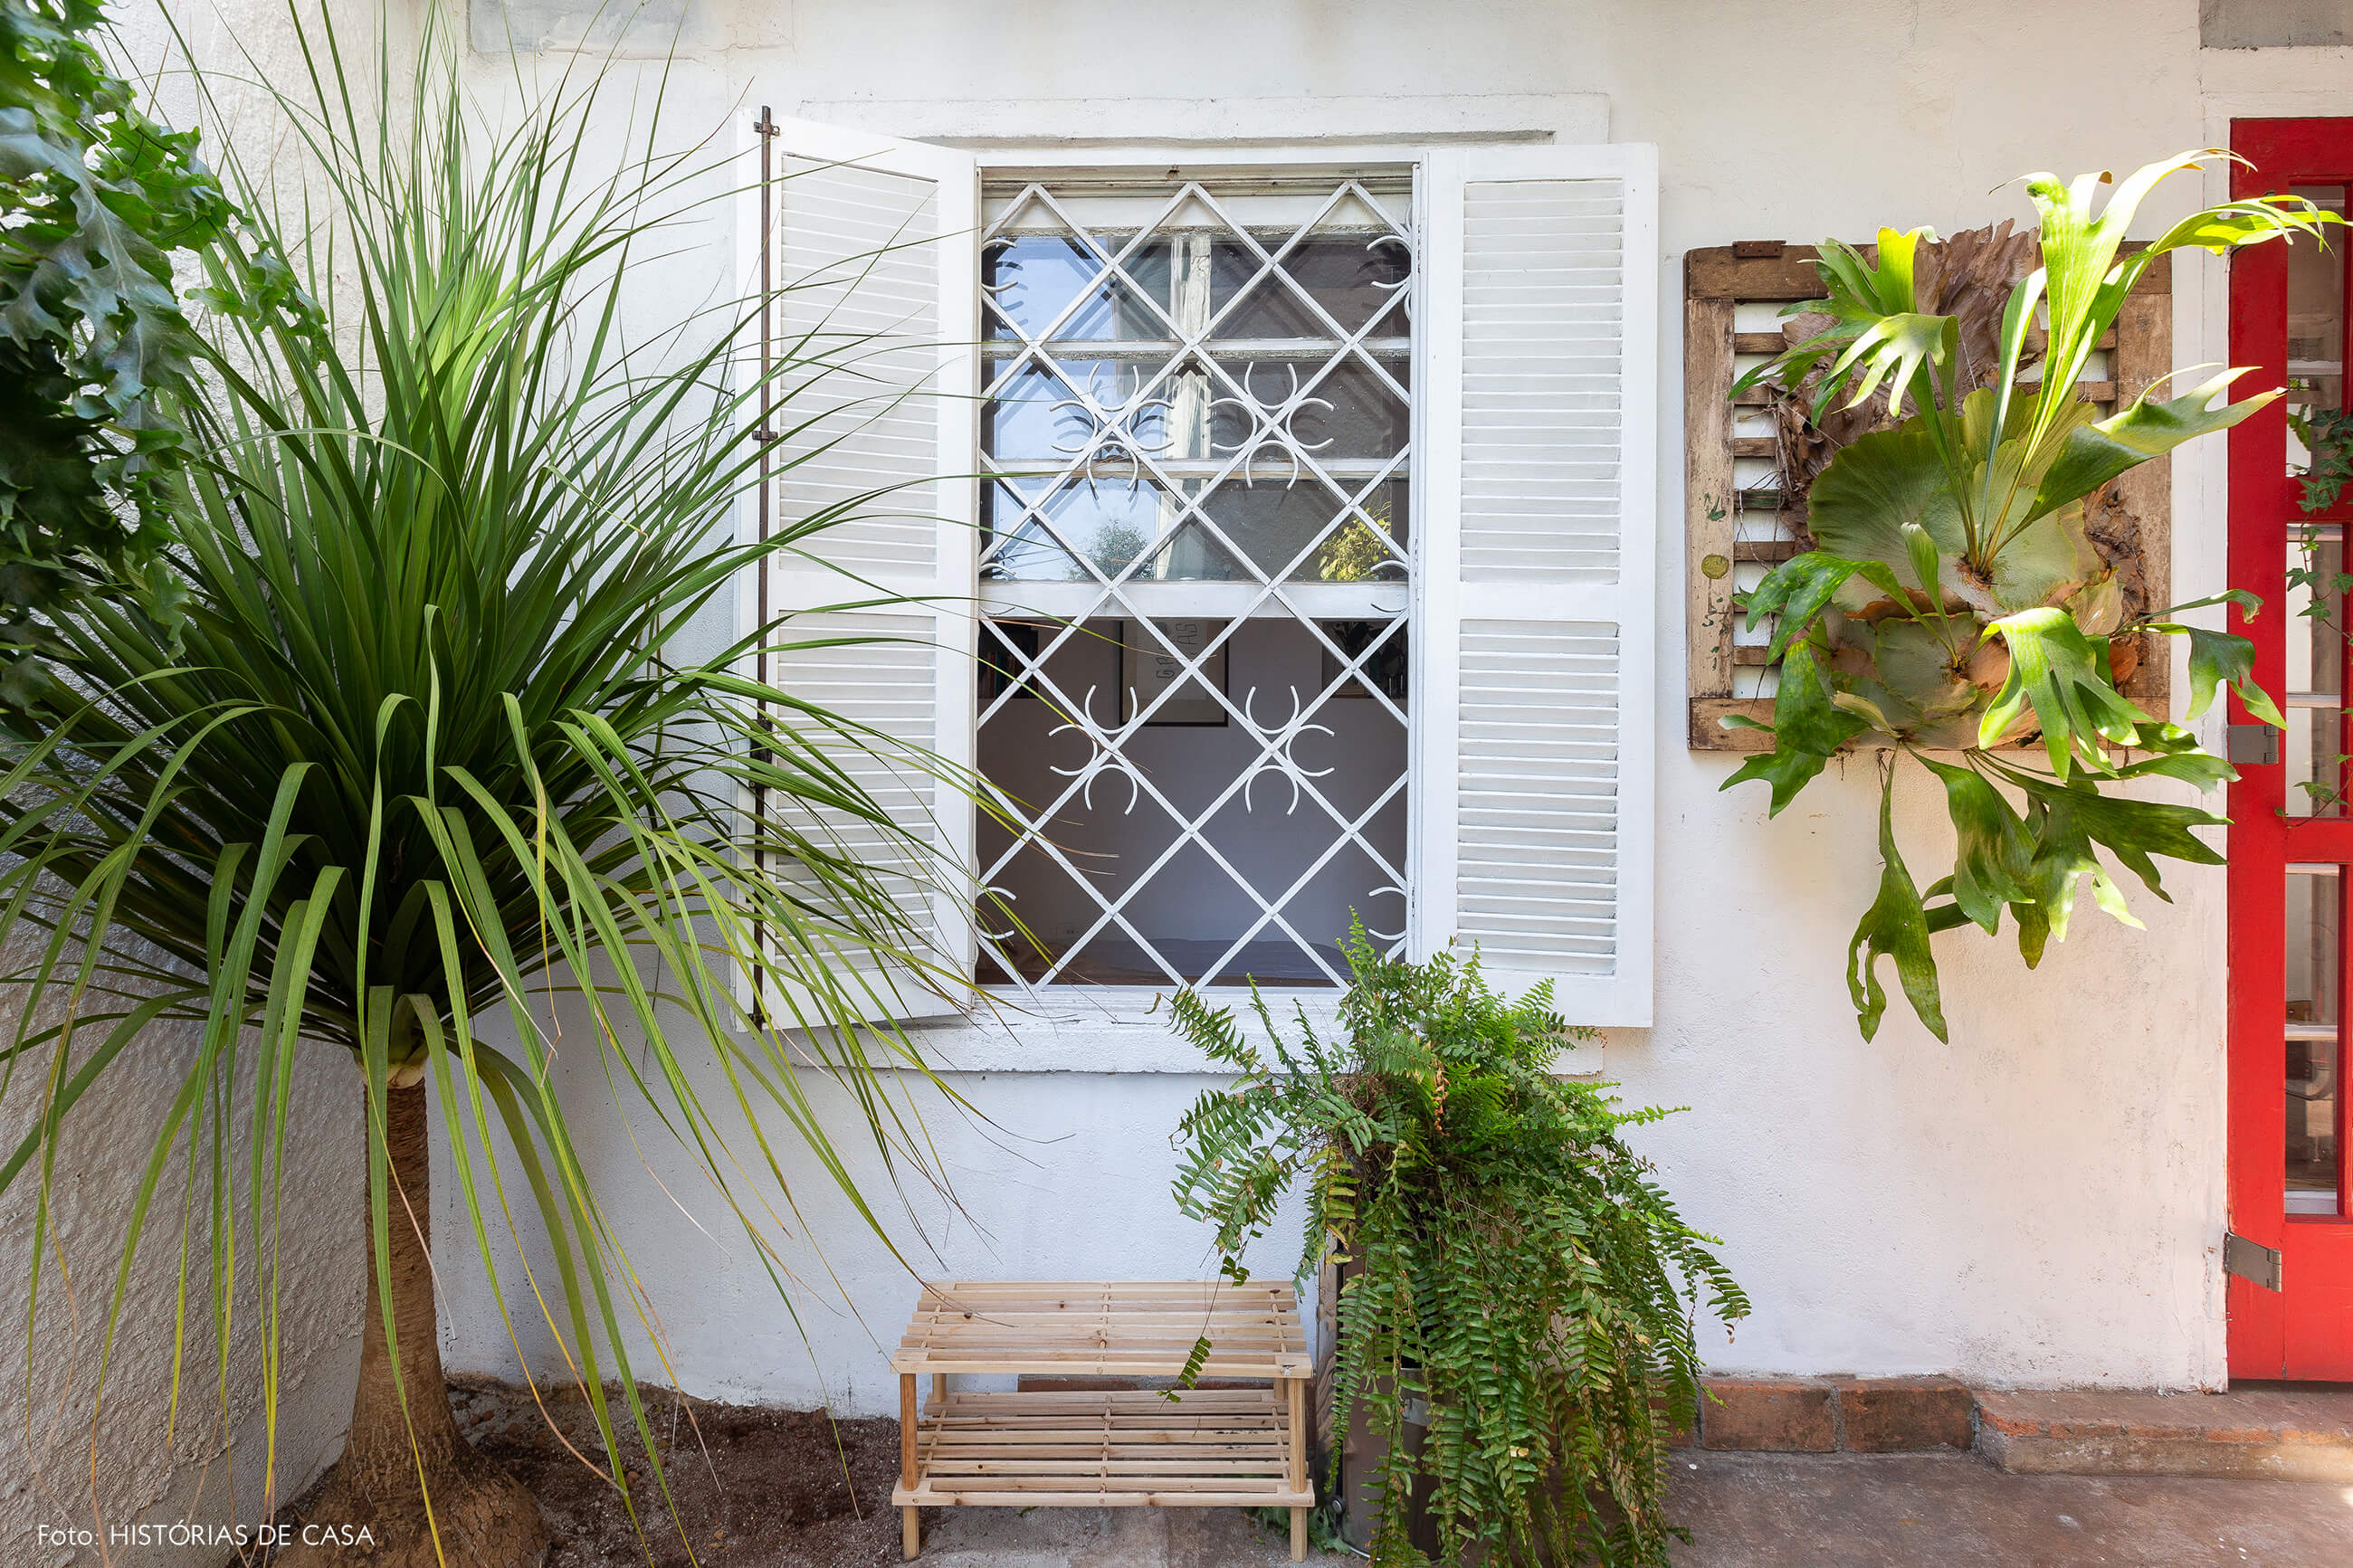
(2315, 648)
(2316, 329)
(2313, 1048)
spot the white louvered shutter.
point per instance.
(1535, 645)
(873, 248)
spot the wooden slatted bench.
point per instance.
(1114, 1447)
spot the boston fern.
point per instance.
(1953, 600)
(1507, 1258)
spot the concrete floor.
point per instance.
(1774, 1510)
(1863, 1511)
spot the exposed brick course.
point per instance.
(1901, 1415)
(1767, 1417)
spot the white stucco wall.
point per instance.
(2040, 1202)
(137, 1464)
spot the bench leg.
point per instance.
(1297, 1392)
(910, 1531)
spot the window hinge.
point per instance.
(2251, 1260)
(2249, 743)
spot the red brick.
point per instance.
(1900, 1414)
(1766, 1416)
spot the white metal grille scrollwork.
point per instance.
(1196, 454)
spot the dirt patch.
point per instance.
(755, 1486)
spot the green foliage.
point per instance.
(427, 749)
(95, 351)
(1954, 600)
(1507, 1259)
(2327, 435)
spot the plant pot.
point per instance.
(1363, 1452)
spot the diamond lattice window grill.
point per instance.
(1196, 453)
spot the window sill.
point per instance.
(1094, 1030)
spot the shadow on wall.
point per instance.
(628, 29)
(155, 1466)
(2273, 24)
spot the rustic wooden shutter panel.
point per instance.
(1537, 641)
(868, 243)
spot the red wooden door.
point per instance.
(2291, 845)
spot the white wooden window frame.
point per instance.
(1623, 997)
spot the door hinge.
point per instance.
(2251, 1260)
(2249, 743)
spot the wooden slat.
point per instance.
(2145, 327)
(1125, 1328)
(1707, 493)
(2100, 392)
(1773, 343)
(1108, 1448)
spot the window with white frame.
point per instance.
(1194, 561)
(1273, 536)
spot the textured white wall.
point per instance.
(2039, 1202)
(62, 1469)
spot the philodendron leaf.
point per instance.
(2097, 452)
(1895, 926)
(1808, 726)
(1798, 588)
(1992, 865)
(2057, 670)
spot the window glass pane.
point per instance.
(1353, 280)
(2315, 327)
(1050, 284)
(1196, 441)
(2315, 648)
(2313, 1045)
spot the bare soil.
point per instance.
(755, 1486)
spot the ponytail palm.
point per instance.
(422, 753)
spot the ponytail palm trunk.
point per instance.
(418, 751)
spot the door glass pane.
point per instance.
(2315, 327)
(2315, 1054)
(2317, 761)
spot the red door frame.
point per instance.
(2306, 1329)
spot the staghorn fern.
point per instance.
(1956, 596)
(1508, 1258)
